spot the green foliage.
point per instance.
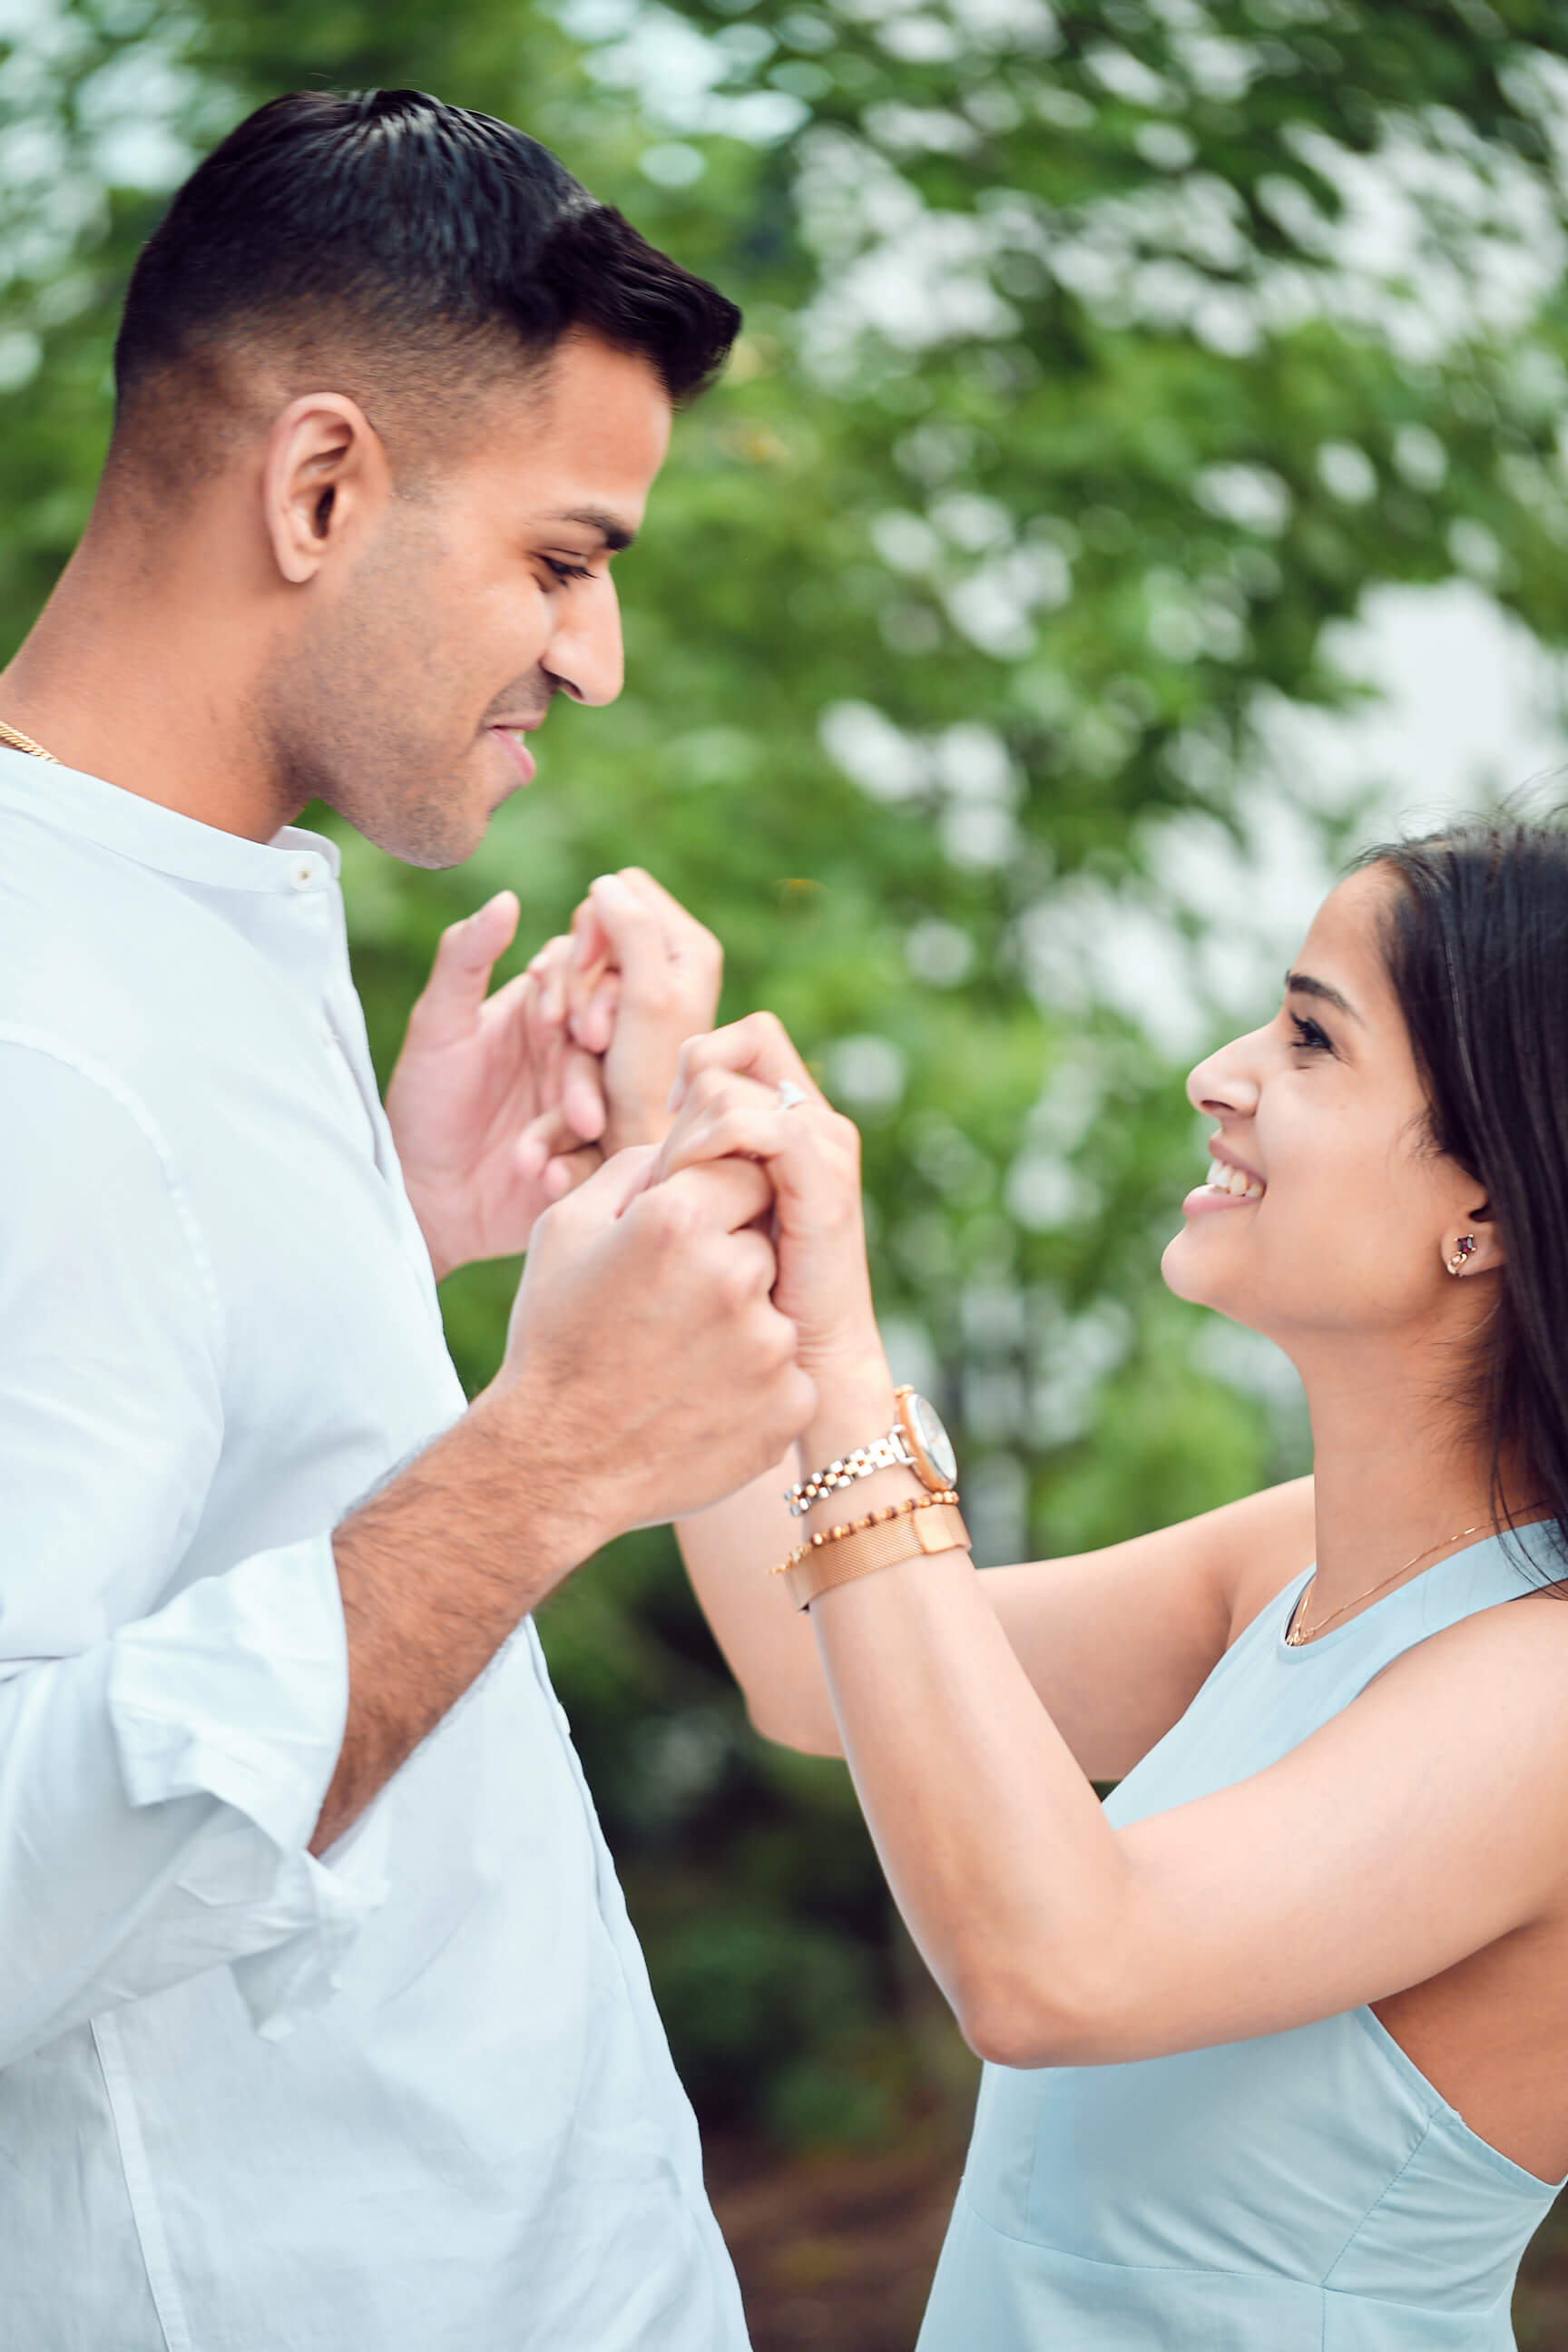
(1060, 430)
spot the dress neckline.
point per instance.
(1425, 1586)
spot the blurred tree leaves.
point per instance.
(1096, 361)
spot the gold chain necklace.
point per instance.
(20, 742)
(1299, 1633)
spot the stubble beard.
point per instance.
(322, 715)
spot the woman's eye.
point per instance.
(567, 570)
(1308, 1037)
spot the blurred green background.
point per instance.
(1100, 364)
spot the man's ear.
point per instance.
(325, 468)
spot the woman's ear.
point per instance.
(1473, 1248)
(325, 466)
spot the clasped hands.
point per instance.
(671, 1204)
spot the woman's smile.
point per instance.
(1229, 1186)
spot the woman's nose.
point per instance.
(1227, 1085)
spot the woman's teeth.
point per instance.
(1236, 1182)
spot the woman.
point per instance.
(1277, 2040)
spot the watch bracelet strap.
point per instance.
(866, 1549)
(888, 1453)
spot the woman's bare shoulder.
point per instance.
(1260, 1545)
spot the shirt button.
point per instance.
(305, 873)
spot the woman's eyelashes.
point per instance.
(566, 571)
(1308, 1038)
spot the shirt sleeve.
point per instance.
(161, 1767)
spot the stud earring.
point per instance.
(1462, 1255)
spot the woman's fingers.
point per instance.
(758, 1047)
(736, 1119)
(811, 1154)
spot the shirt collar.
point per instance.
(140, 829)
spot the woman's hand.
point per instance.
(618, 994)
(645, 977)
(728, 1105)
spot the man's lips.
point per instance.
(517, 750)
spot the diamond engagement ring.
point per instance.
(791, 1097)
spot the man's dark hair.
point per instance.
(434, 243)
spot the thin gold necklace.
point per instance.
(1297, 1634)
(20, 742)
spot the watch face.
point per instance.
(935, 1440)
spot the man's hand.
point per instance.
(494, 1107)
(648, 1373)
(645, 1338)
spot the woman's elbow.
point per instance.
(808, 1732)
(1025, 2024)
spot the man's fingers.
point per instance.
(758, 1047)
(737, 1192)
(566, 1171)
(594, 1026)
(590, 939)
(552, 972)
(608, 1193)
(465, 956)
(582, 1092)
(548, 1137)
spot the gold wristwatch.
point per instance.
(916, 1442)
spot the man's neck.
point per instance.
(139, 674)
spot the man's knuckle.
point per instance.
(671, 1214)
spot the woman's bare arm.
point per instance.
(1115, 1642)
(1418, 1826)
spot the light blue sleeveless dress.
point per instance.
(1307, 2191)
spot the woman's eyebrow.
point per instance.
(1302, 983)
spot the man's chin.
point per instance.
(431, 838)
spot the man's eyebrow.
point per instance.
(615, 534)
(1302, 983)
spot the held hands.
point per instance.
(648, 1365)
(502, 1104)
(644, 977)
(730, 1110)
(680, 1308)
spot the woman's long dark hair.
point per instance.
(1476, 949)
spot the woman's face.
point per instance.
(1327, 1210)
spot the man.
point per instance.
(320, 2022)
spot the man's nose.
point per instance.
(585, 656)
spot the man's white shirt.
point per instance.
(413, 2096)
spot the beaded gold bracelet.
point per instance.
(857, 1527)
